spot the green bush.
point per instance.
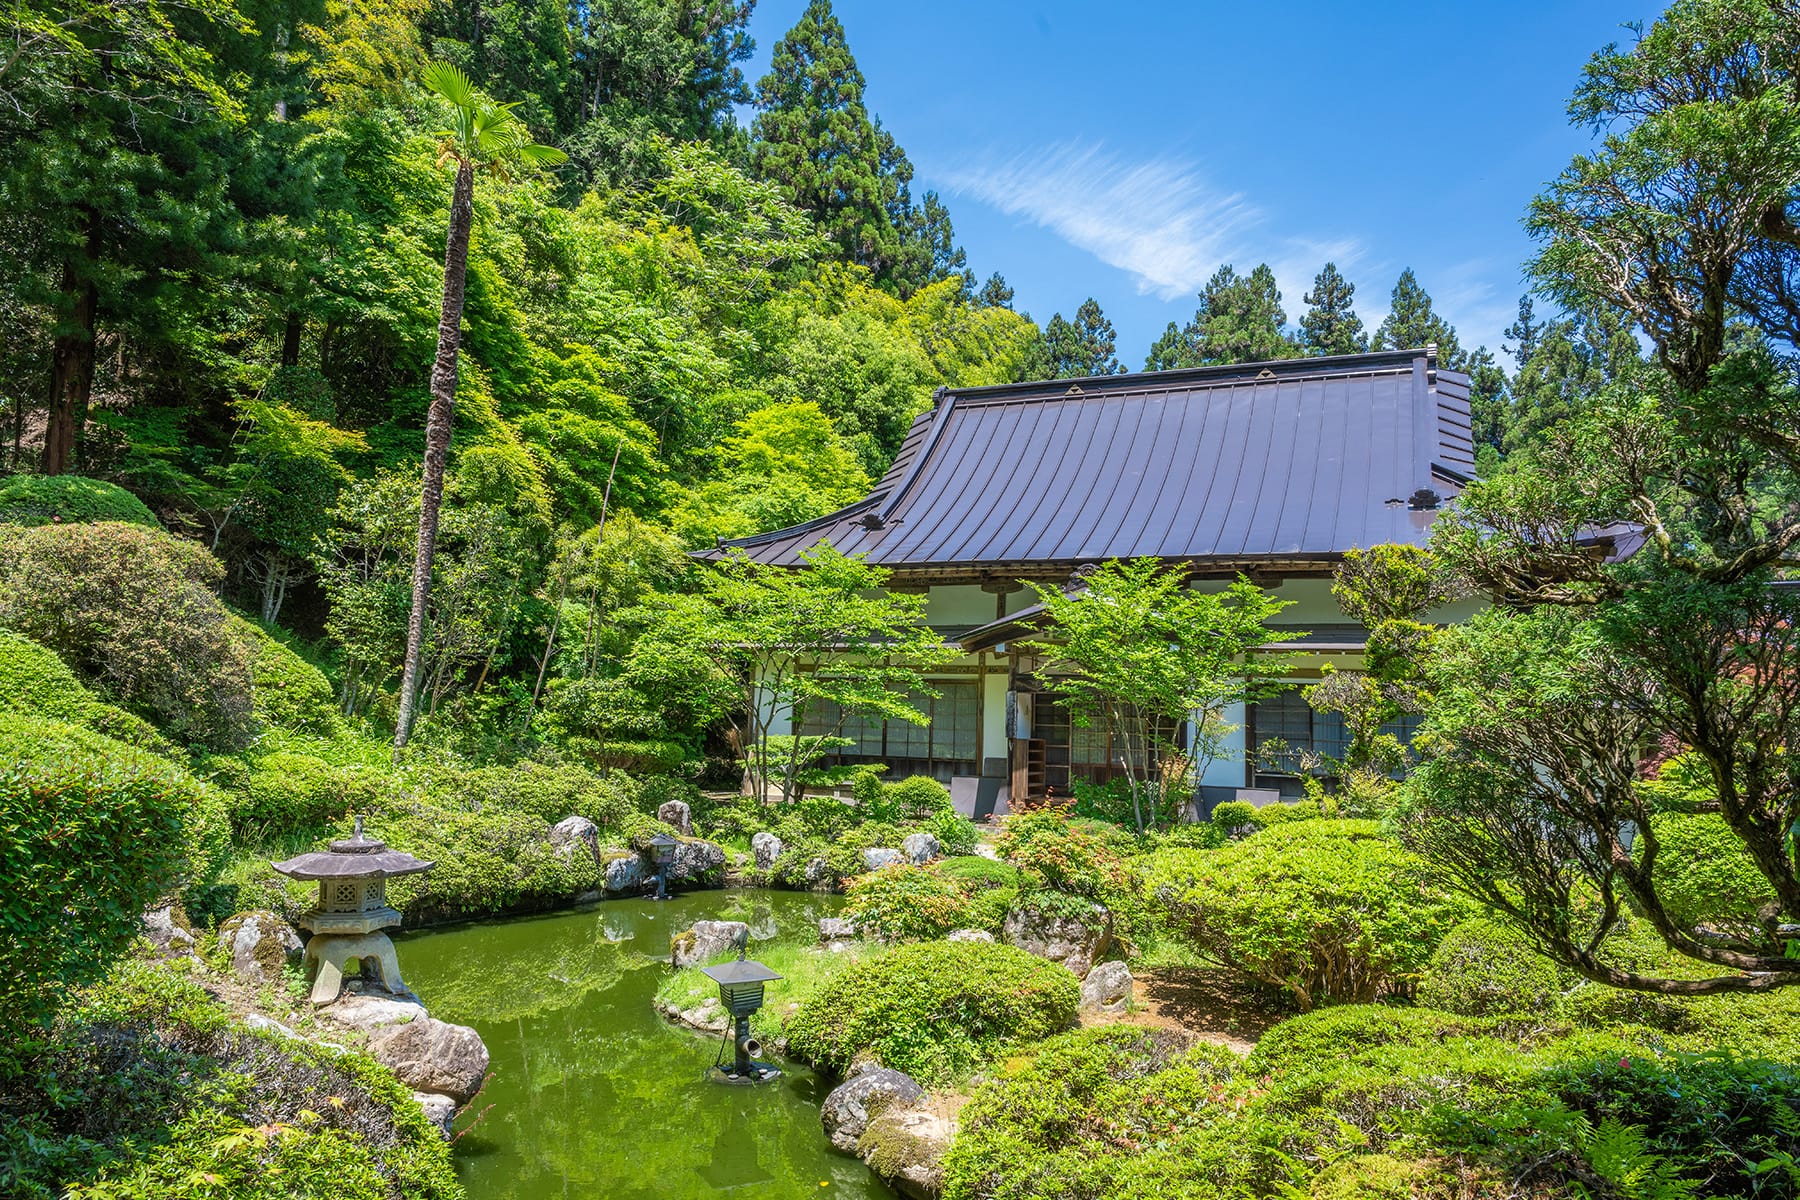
(1083, 858)
(974, 872)
(148, 1090)
(935, 1010)
(1281, 814)
(35, 682)
(132, 612)
(906, 904)
(287, 794)
(95, 833)
(915, 799)
(290, 692)
(1703, 873)
(1326, 910)
(609, 800)
(955, 833)
(1483, 968)
(69, 500)
(1234, 814)
(1203, 835)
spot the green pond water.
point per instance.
(592, 1093)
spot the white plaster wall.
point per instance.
(993, 712)
(959, 604)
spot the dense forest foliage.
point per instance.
(222, 247)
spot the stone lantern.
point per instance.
(663, 847)
(352, 911)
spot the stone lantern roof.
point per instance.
(351, 857)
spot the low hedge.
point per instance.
(290, 693)
(96, 832)
(69, 499)
(935, 1010)
(1328, 911)
(35, 682)
(1484, 967)
(904, 903)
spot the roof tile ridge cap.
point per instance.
(939, 423)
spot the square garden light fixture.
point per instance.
(663, 846)
(741, 992)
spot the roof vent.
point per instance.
(1423, 499)
(1265, 373)
(873, 520)
(1074, 390)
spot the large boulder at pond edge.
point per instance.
(574, 832)
(1075, 942)
(920, 848)
(370, 1013)
(854, 1102)
(906, 1147)
(767, 848)
(260, 944)
(623, 871)
(430, 1055)
(706, 940)
(1107, 988)
(697, 861)
(439, 1110)
(677, 815)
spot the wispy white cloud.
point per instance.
(1163, 221)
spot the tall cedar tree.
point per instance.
(1240, 319)
(484, 137)
(1412, 323)
(1330, 325)
(1075, 349)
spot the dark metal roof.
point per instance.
(1290, 461)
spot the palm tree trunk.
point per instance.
(437, 437)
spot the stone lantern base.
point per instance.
(327, 954)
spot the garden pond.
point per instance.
(592, 1093)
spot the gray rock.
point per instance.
(708, 1016)
(624, 871)
(168, 930)
(369, 1013)
(878, 857)
(696, 861)
(1107, 988)
(767, 848)
(836, 929)
(706, 940)
(678, 814)
(430, 1055)
(574, 832)
(920, 848)
(439, 1110)
(261, 944)
(817, 872)
(969, 935)
(269, 1025)
(1075, 942)
(850, 1106)
(905, 1145)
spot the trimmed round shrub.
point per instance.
(132, 612)
(1083, 858)
(975, 872)
(290, 693)
(1325, 910)
(1483, 968)
(935, 1010)
(955, 833)
(36, 682)
(906, 904)
(95, 833)
(916, 798)
(68, 500)
(288, 793)
(1321, 1041)
(1703, 873)
(1234, 814)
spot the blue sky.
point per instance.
(1125, 150)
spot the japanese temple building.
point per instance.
(1272, 470)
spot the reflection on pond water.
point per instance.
(595, 1095)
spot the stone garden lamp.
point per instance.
(741, 992)
(352, 911)
(663, 847)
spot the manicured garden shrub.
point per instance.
(35, 682)
(1281, 814)
(935, 1010)
(1483, 968)
(608, 800)
(1703, 873)
(287, 793)
(1234, 814)
(975, 872)
(1325, 910)
(1053, 853)
(148, 1091)
(906, 904)
(69, 500)
(1195, 835)
(916, 798)
(290, 693)
(95, 832)
(955, 833)
(132, 612)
